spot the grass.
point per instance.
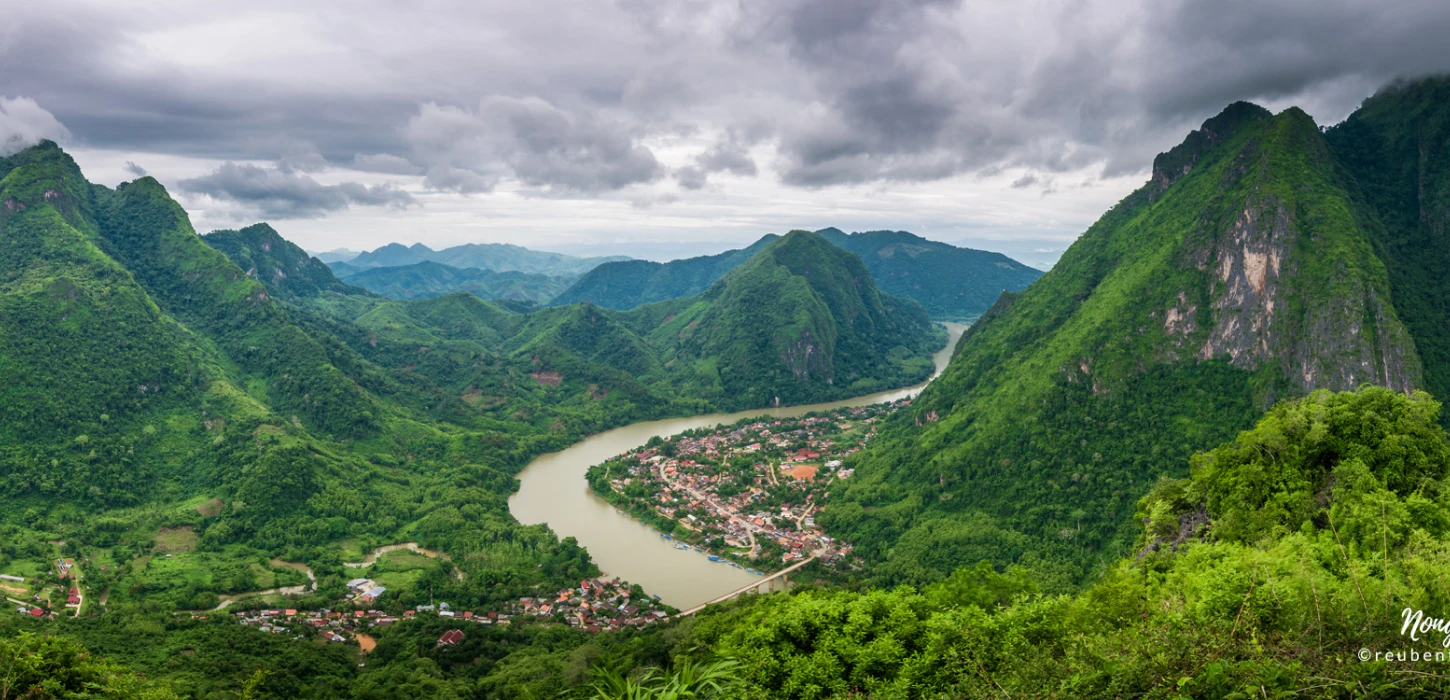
(178, 540)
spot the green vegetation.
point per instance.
(286, 269)
(951, 283)
(1263, 573)
(426, 280)
(1239, 274)
(629, 283)
(1396, 146)
(49, 668)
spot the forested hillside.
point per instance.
(426, 280)
(626, 284)
(952, 283)
(1244, 271)
(266, 255)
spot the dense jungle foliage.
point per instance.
(1263, 573)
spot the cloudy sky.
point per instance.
(673, 127)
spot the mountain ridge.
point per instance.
(952, 283)
(1241, 273)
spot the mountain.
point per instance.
(951, 283)
(335, 255)
(1397, 147)
(626, 284)
(156, 396)
(266, 255)
(954, 284)
(800, 321)
(499, 257)
(1243, 272)
(426, 280)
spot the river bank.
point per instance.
(553, 490)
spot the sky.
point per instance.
(674, 127)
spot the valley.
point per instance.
(1203, 456)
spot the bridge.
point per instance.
(746, 589)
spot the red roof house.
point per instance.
(450, 638)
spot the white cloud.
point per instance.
(23, 123)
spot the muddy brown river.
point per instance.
(553, 491)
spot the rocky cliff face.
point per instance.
(1256, 316)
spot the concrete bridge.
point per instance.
(746, 589)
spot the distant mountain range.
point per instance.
(951, 283)
(630, 283)
(499, 257)
(428, 279)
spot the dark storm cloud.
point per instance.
(576, 98)
(279, 193)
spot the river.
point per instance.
(553, 490)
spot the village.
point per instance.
(592, 606)
(747, 492)
(42, 594)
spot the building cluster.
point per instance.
(364, 590)
(593, 606)
(750, 490)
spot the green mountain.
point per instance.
(629, 283)
(800, 321)
(499, 257)
(266, 255)
(951, 283)
(1397, 147)
(1244, 271)
(426, 280)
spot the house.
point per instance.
(450, 638)
(359, 583)
(37, 612)
(74, 598)
(373, 593)
(8, 577)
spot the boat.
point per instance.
(714, 558)
(657, 597)
(665, 535)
